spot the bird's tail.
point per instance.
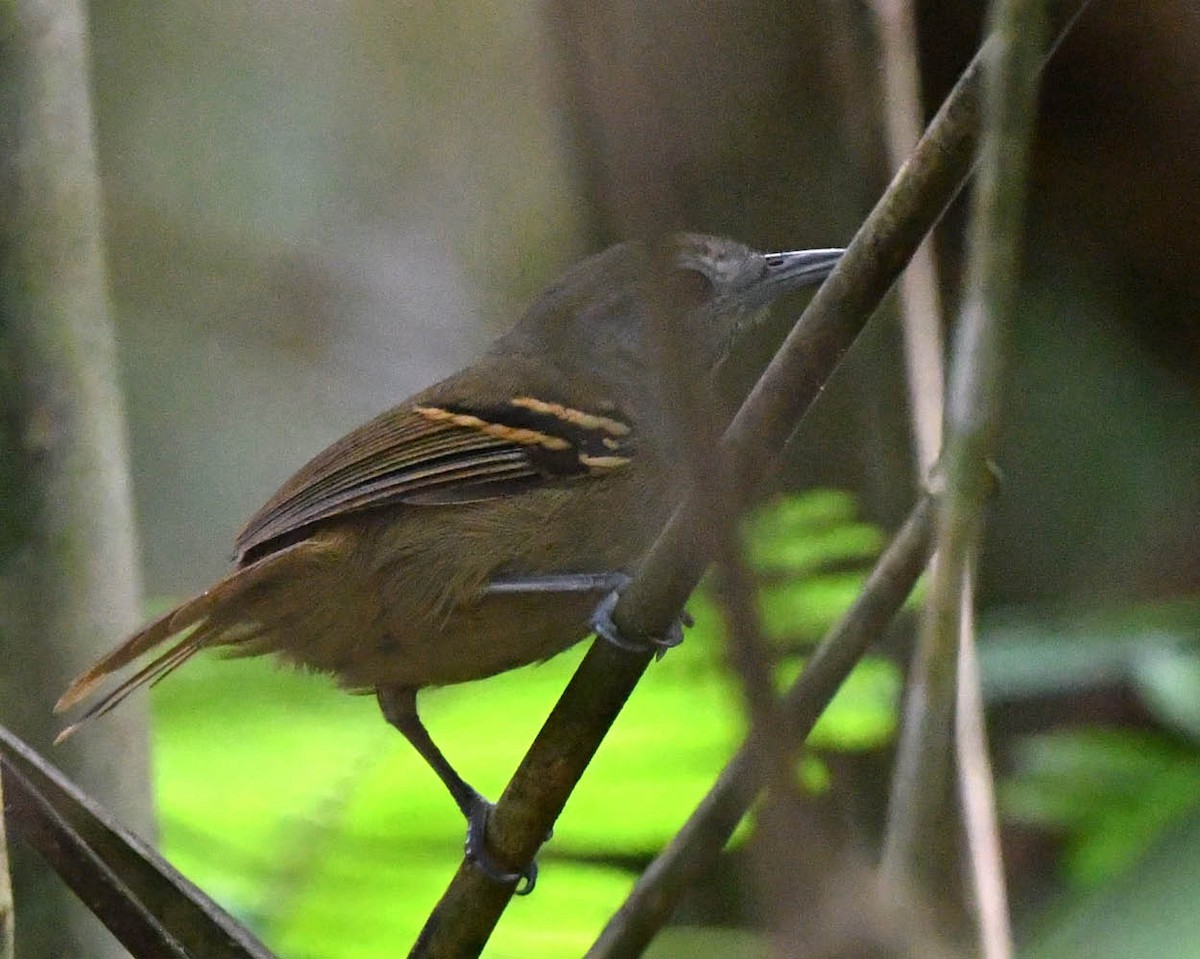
(221, 615)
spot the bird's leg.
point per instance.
(601, 622)
(556, 583)
(399, 707)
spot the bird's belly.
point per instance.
(472, 641)
(483, 638)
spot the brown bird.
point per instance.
(474, 527)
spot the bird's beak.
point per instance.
(781, 273)
(785, 272)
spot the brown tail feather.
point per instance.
(190, 615)
(162, 629)
(148, 675)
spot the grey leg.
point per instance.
(557, 583)
(399, 707)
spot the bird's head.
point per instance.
(732, 285)
(690, 293)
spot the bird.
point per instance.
(476, 526)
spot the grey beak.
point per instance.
(797, 269)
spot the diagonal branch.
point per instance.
(472, 905)
(708, 829)
(144, 901)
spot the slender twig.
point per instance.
(920, 303)
(920, 309)
(977, 792)
(915, 847)
(747, 651)
(751, 661)
(706, 832)
(470, 908)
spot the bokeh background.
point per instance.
(316, 208)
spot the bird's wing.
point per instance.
(425, 453)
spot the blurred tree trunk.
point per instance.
(68, 583)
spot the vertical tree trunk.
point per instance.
(68, 582)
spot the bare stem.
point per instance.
(920, 308)
(920, 304)
(919, 848)
(69, 579)
(977, 793)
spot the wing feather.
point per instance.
(438, 454)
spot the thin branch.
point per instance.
(920, 304)
(921, 313)
(917, 826)
(752, 662)
(746, 649)
(704, 835)
(138, 895)
(977, 792)
(470, 908)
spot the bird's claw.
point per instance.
(477, 852)
(603, 626)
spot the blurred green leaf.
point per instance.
(1032, 652)
(800, 534)
(864, 712)
(1111, 791)
(814, 775)
(801, 610)
(1168, 679)
(1149, 911)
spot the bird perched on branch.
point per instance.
(476, 526)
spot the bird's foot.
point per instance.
(477, 852)
(603, 626)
